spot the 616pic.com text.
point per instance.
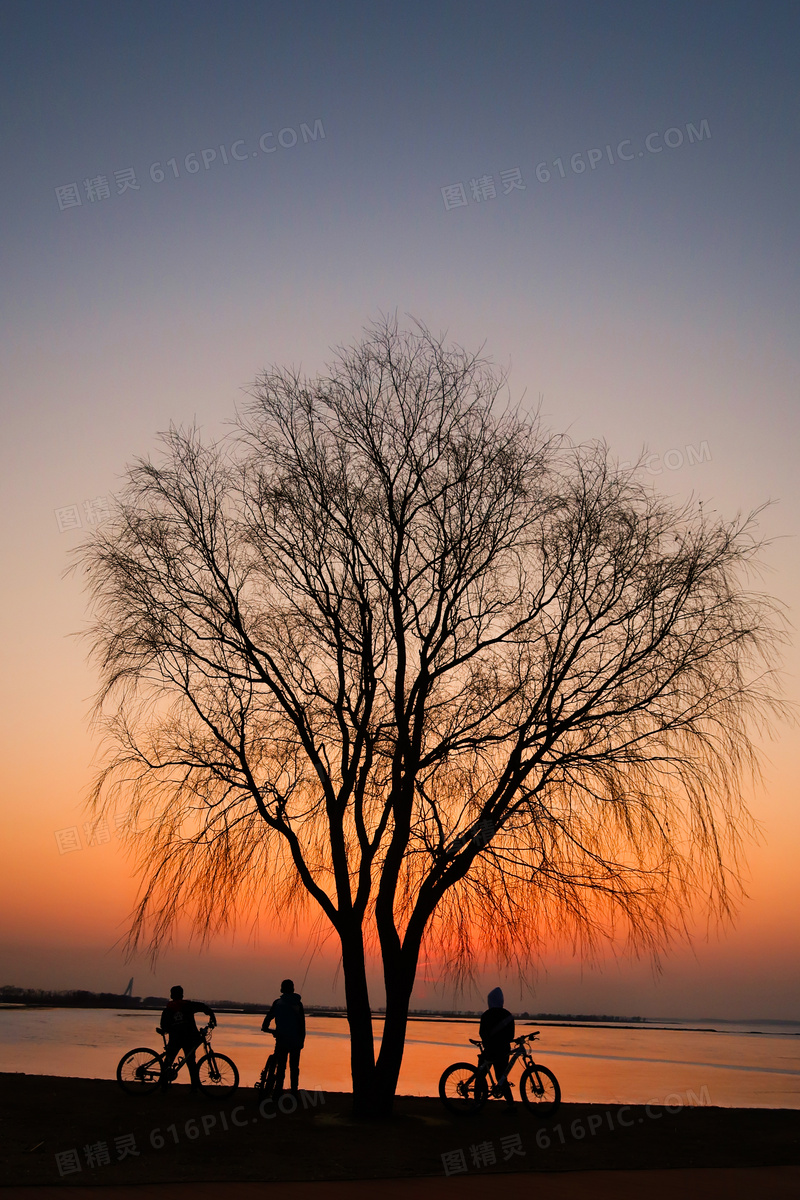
(482, 188)
(98, 187)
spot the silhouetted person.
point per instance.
(177, 1021)
(290, 1028)
(497, 1034)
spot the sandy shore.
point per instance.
(87, 1134)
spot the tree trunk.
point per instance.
(399, 985)
(359, 1019)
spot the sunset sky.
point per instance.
(384, 157)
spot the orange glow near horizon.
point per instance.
(83, 898)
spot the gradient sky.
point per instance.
(652, 300)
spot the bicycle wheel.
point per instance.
(267, 1081)
(217, 1074)
(462, 1089)
(139, 1071)
(540, 1091)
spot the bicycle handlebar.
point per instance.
(526, 1037)
(203, 1031)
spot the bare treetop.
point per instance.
(394, 650)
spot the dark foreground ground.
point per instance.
(87, 1133)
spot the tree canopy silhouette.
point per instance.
(392, 652)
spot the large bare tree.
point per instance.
(391, 652)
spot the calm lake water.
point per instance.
(748, 1066)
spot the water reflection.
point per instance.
(593, 1065)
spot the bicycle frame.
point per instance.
(180, 1061)
(268, 1074)
(487, 1070)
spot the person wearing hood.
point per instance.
(497, 1034)
(290, 1035)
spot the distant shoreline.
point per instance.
(12, 997)
(464, 1018)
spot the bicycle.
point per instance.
(464, 1089)
(266, 1082)
(139, 1071)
